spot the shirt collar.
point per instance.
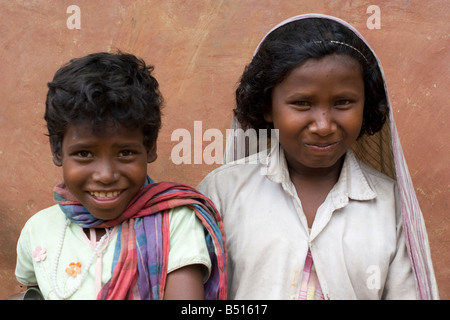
(353, 181)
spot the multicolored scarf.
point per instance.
(139, 268)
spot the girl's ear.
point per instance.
(151, 153)
(57, 156)
(57, 159)
(268, 117)
(267, 112)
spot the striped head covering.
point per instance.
(382, 151)
(139, 269)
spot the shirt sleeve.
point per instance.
(25, 273)
(400, 283)
(187, 241)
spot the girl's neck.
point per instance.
(99, 232)
(313, 185)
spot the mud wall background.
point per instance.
(199, 49)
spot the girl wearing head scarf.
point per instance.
(319, 204)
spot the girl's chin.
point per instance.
(105, 209)
(105, 216)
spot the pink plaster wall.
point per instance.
(200, 48)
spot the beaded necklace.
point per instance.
(78, 282)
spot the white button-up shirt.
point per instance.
(356, 240)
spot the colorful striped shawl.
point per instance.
(139, 268)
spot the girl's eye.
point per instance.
(302, 104)
(83, 154)
(343, 102)
(126, 153)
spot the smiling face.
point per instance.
(104, 171)
(318, 110)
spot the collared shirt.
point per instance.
(356, 240)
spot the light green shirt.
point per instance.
(187, 246)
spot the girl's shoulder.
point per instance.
(242, 166)
(232, 175)
(45, 219)
(380, 183)
(374, 174)
(368, 170)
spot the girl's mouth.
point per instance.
(105, 205)
(108, 195)
(321, 146)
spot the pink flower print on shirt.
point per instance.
(39, 254)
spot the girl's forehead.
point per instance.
(83, 130)
(332, 65)
(334, 59)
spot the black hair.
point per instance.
(288, 47)
(101, 89)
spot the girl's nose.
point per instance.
(322, 123)
(105, 172)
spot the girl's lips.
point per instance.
(104, 194)
(322, 149)
(105, 198)
(322, 146)
(106, 205)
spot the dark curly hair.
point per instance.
(288, 47)
(103, 89)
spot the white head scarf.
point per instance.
(382, 151)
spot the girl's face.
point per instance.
(104, 172)
(318, 110)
